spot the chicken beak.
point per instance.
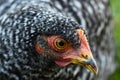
(90, 64)
(83, 56)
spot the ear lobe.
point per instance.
(38, 48)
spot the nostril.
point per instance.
(85, 56)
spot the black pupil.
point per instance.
(61, 43)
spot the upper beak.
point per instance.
(83, 56)
(90, 64)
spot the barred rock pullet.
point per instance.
(46, 39)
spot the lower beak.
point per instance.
(90, 64)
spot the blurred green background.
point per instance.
(115, 4)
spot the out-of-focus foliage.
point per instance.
(115, 4)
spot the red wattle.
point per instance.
(62, 63)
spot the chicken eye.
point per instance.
(60, 43)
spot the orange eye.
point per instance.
(60, 44)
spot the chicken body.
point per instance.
(19, 30)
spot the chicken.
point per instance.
(42, 40)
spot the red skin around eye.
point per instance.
(51, 43)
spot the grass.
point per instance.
(115, 4)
